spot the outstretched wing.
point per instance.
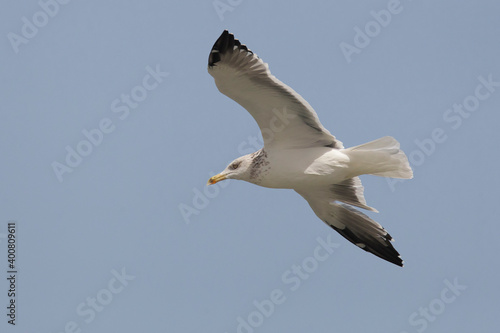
(285, 119)
(333, 205)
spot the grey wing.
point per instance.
(285, 119)
(333, 205)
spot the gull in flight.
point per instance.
(300, 154)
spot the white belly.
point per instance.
(296, 168)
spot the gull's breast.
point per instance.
(299, 168)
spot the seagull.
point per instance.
(300, 154)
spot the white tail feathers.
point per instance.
(381, 157)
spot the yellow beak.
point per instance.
(216, 178)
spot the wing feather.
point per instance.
(285, 119)
(352, 224)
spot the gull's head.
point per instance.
(237, 169)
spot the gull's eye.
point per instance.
(234, 165)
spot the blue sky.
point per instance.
(110, 127)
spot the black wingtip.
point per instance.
(225, 43)
(385, 251)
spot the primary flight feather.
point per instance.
(300, 154)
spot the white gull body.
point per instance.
(300, 154)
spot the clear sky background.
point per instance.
(128, 238)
